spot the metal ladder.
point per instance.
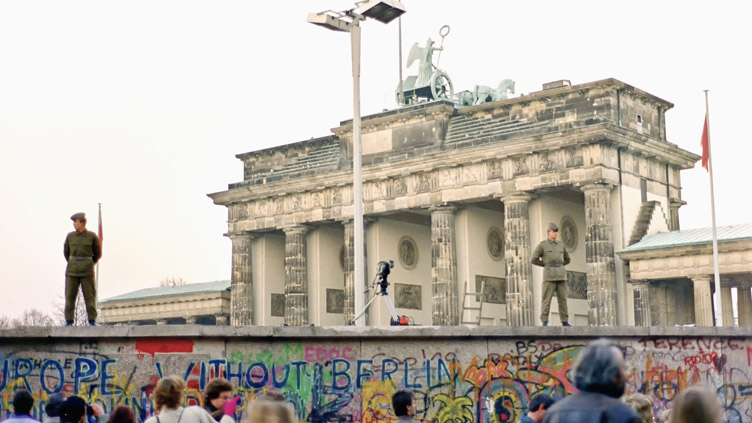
(478, 299)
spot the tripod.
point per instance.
(380, 283)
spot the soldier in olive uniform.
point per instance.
(82, 250)
(552, 255)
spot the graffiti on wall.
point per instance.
(481, 381)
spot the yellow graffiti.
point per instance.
(454, 410)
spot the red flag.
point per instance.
(704, 144)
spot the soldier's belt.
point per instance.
(79, 258)
(554, 265)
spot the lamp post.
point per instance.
(349, 21)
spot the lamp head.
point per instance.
(383, 11)
(329, 20)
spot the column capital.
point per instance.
(676, 202)
(515, 197)
(597, 186)
(296, 229)
(446, 207)
(242, 235)
(702, 278)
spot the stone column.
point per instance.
(599, 256)
(445, 305)
(190, 320)
(241, 281)
(296, 276)
(744, 305)
(161, 322)
(642, 315)
(517, 251)
(221, 320)
(673, 206)
(727, 307)
(349, 269)
(703, 301)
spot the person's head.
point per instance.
(600, 368)
(122, 414)
(261, 411)
(696, 404)
(538, 406)
(643, 405)
(169, 392)
(54, 403)
(403, 403)
(22, 402)
(271, 396)
(217, 393)
(73, 410)
(553, 231)
(79, 221)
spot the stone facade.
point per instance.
(592, 152)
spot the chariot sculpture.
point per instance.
(432, 83)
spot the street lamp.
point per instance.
(384, 11)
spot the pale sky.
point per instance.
(143, 105)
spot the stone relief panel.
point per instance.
(577, 285)
(335, 301)
(423, 182)
(377, 190)
(546, 162)
(495, 169)
(408, 296)
(494, 289)
(336, 196)
(408, 252)
(279, 206)
(568, 233)
(471, 175)
(574, 157)
(316, 200)
(449, 178)
(495, 243)
(278, 305)
(398, 187)
(519, 166)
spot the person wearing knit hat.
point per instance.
(52, 408)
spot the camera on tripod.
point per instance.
(380, 283)
(382, 273)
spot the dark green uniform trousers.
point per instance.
(549, 287)
(90, 296)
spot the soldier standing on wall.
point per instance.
(81, 250)
(552, 255)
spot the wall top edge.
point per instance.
(365, 333)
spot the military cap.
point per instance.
(553, 227)
(78, 216)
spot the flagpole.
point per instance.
(716, 271)
(99, 234)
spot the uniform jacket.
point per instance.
(552, 256)
(81, 250)
(590, 407)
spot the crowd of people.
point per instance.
(598, 372)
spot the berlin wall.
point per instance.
(347, 374)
